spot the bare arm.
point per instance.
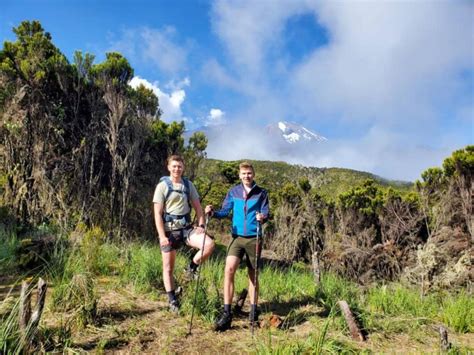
(160, 226)
(199, 214)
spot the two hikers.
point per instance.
(249, 206)
(173, 198)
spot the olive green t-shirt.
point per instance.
(177, 202)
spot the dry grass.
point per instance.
(139, 323)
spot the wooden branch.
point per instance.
(351, 322)
(443, 339)
(25, 307)
(240, 301)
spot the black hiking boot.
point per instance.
(253, 316)
(174, 306)
(223, 323)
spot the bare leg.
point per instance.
(231, 265)
(251, 274)
(195, 241)
(168, 267)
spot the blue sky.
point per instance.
(390, 84)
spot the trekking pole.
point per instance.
(198, 275)
(255, 279)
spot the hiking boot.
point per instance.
(223, 323)
(190, 274)
(253, 316)
(174, 306)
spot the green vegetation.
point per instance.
(81, 152)
(79, 144)
(287, 291)
(329, 182)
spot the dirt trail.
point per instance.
(131, 323)
(135, 323)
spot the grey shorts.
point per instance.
(177, 239)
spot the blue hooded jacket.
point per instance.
(244, 208)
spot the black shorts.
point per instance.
(177, 239)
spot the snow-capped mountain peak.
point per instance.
(293, 132)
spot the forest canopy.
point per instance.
(79, 143)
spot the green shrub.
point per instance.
(458, 313)
(397, 299)
(143, 267)
(208, 296)
(78, 297)
(8, 250)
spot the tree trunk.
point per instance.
(443, 339)
(35, 317)
(25, 307)
(29, 322)
(316, 268)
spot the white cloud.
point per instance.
(215, 117)
(249, 29)
(170, 103)
(387, 61)
(215, 72)
(379, 151)
(159, 47)
(395, 67)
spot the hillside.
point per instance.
(329, 182)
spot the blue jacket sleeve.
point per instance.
(265, 207)
(226, 208)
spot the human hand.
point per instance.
(209, 209)
(260, 217)
(200, 229)
(164, 241)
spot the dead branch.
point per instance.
(351, 322)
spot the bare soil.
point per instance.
(133, 323)
(136, 323)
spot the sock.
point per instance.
(171, 296)
(227, 308)
(193, 266)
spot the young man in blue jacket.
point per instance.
(249, 206)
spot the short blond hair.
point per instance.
(175, 157)
(246, 165)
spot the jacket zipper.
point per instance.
(246, 195)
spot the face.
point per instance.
(246, 175)
(176, 168)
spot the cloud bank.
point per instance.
(393, 85)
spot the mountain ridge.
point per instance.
(329, 182)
